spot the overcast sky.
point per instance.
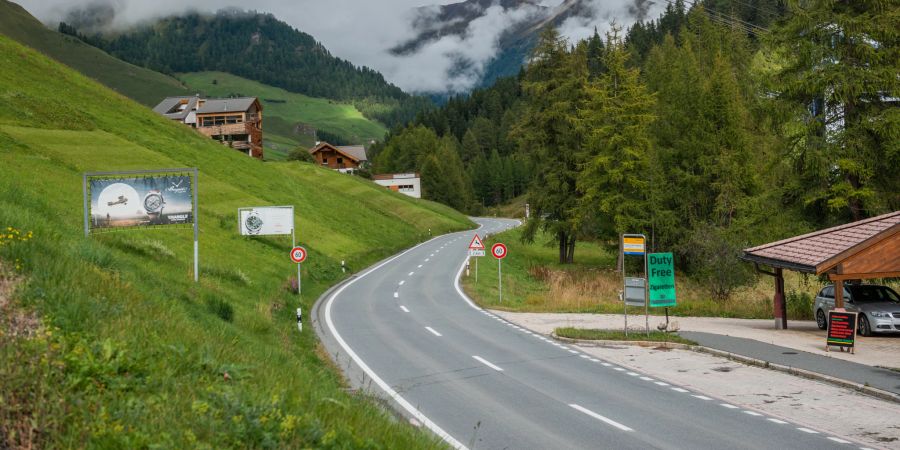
(362, 31)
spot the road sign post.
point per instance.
(476, 250)
(498, 250)
(635, 245)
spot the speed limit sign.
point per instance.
(499, 251)
(298, 254)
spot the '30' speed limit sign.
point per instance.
(498, 251)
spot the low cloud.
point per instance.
(364, 31)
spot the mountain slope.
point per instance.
(262, 48)
(133, 354)
(138, 83)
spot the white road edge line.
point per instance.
(378, 381)
(838, 440)
(404, 308)
(778, 421)
(433, 332)
(606, 420)
(487, 363)
(807, 430)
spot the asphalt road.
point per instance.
(404, 330)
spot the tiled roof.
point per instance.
(357, 152)
(804, 253)
(169, 107)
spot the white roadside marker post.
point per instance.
(299, 319)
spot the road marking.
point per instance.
(573, 352)
(563, 347)
(778, 421)
(838, 440)
(420, 266)
(418, 415)
(404, 308)
(807, 430)
(661, 383)
(647, 378)
(485, 362)
(678, 389)
(433, 332)
(730, 406)
(430, 256)
(594, 360)
(396, 295)
(601, 418)
(606, 364)
(633, 374)
(584, 356)
(701, 397)
(752, 413)
(426, 259)
(401, 282)
(619, 369)
(411, 274)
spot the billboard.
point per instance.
(266, 220)
(139, 200)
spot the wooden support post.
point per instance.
(780, 303)
(839, 294)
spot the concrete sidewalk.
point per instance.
(801, 346)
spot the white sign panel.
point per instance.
(266, 220)
(476, 252)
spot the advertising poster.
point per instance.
(140, 200)
(266, 220)
(841, 329)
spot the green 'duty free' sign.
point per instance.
(661, 280)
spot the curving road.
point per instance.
(404, 329)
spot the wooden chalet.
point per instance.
(235, 122)
(342, 158)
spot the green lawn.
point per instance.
(534, 281)
(142, 85)
(619, 335)
(132, 353)
(283, 110)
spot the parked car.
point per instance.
(878, 307)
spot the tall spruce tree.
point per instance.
(553, 88)
(841, 65)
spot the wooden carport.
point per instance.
(860, 250)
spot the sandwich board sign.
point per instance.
(841, 330)
(661, 279)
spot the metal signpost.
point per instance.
(476, 250)
(499, 252)
(635, 289)
(138, 199)
(298, 255)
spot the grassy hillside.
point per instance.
(143, 85)
(284, 110)
(106, 341)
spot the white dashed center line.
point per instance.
(420, 266)
(678, 389)
(778, 421)
(701, 397)
(396, 295)
(752, 413)
(404, 308)
(410, 274)
(603, 419)
(731, 406)
(485, 362)
(401, 282)
(433, 332)
(838, 440)
(807, 430)
(661, 383)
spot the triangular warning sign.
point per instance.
(476, 243)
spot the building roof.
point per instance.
(354, 152)
(169, 107)
(221, 105)
(809, 252)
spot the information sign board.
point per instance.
(633, 245)
(841, 329)
(474, 253)
(661, 277)
(266, 220)
(635, 289)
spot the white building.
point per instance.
(404, 183)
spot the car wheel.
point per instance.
(821, 320)
(864, 328)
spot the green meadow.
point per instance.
(283, 111)
(106, 342)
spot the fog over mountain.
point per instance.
(430, 48)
